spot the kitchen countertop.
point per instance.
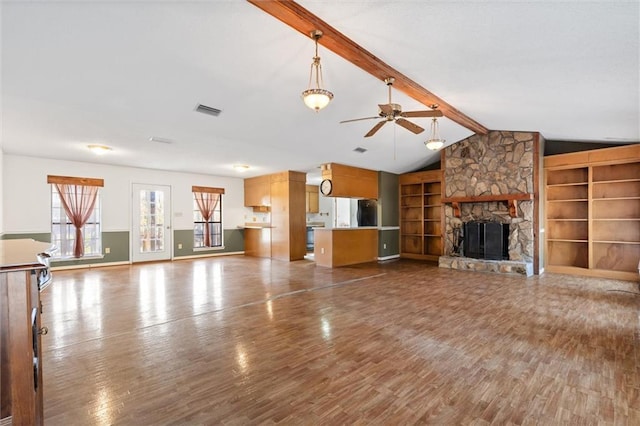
(23, 253)
(348, 229)
(256, 225)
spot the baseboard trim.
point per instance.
(88, 266)
(199, 256)
(393, 256)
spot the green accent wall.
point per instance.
(390, 237)
(388, 199)
(233, 242)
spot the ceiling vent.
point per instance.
(208, 110)
(160, 140)
(360, 150)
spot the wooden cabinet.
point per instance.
(421, 218)
(23, 268)
(288, 219)
(341, 247)
(593, 212)
(257, 191)
(312, 199)
(351, 182)
(284, 237)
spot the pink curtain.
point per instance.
(207, 203)
(78, 202)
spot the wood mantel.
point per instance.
(510, 199)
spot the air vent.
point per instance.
(208, 110)
(160, 140)
(360, 150)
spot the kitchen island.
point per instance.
(336, 247)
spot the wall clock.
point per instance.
(326, 187)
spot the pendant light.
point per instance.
(316, 97)
(435, 142)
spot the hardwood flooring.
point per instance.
(240, 340)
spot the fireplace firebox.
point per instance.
(486, 240)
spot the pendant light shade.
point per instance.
(316, 97)
(434, 142)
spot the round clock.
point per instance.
(326, 186)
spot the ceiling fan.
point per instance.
(393, 112)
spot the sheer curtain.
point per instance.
(78, 202)
(207, 203)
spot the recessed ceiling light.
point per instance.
(99, 149)
(241, 167)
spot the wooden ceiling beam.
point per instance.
(300, 19)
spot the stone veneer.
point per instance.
(499, 163)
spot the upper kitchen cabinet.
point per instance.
(313, 200)
(350, 182)
(257, 191)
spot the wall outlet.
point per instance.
(321, 250)
(107, 250)
(179, 246)
(384, 246)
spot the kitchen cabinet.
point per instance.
(257, 191)
(288, 218)
(283, 237)
(348, 246)
(351, 182)
(312, 199)
(23, 272)
(593, 212)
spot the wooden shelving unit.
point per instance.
(421, 215)
(593, 212)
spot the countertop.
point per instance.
(347, 229)
(256, 225)
(23, 254)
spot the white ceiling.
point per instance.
(117, 73)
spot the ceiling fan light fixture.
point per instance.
(99, 149)
(316, 97)
(435, 142)
(241, 167)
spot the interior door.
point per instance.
(151, 223)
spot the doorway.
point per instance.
(151, 223)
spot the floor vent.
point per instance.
(208, 110)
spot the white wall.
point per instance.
(27, 196)
(1, 190)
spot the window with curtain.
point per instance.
(75, 216)
(207, 217)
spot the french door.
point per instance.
(151, 223)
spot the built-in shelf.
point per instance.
(593, 212)
(421, 218)
(510, 199)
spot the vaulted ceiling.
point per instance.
(118, 73)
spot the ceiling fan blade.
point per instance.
(375, 128)
(359, 119)
(386, 109)
(409, 126)
(426, 113)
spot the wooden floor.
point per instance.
(235, 340)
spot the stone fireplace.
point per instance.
(490, 178)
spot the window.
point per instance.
(207, 217)
(75, 214)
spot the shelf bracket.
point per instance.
(456, 208)
(513, 207)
